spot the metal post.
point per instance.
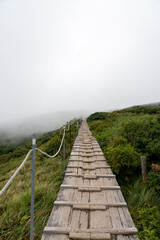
(32, 185)
(77, 127)
(64, 157)
(73, 132)
(70, 138)
(144, 168)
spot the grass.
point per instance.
(143, 203)
(15, 202)
(124, 136)
(139, 194)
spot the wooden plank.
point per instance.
(121, 231)
(88, 161)
(100, 236)
(57, 230)
(71, 203)
(89, 177)
(69, 174)
(97, 207)
(88, 168)
(48, 236)
(93, 187)
(87, 155)
(83, 236)
(90, 236)
(89, 189)
(95, 167)
(89, 207)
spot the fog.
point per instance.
(67, 55)
(38, 124)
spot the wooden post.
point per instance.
(144, 168)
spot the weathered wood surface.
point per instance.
(90, 204)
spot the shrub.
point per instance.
(97, 116)
(52, 146)
(122, 156)
(150, 222)
(154, 180)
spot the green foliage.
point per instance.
(150, 222)
(139, 195)
(143, 133)
(124, 136)
(154, 180)
(153, 150)
(97, 116)
(142, 200)
(121, 156)
(142, 109)
(18, 152)
(52, 146)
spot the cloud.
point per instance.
(70, 55)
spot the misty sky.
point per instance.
(60, 55)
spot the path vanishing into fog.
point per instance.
(90, 204)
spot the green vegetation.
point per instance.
(124, 136)
(15, 202)
(97, 116)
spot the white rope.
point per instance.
(37, 149)
(27, 156)
(61, 129)
(68, 127)
(58, 149)
(13, 176)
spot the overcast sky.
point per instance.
(60, 55)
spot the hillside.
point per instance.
(15, 202)
(124, 136)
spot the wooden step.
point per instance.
(89, 188)
(70, 174)
(90, 236)
(89, 207)
(94, 168)
(89, 177)
(88, 161)
(87, 168)
(95, 205)
(67, 231)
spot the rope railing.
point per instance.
(53, 156)
(15, 173)
(33, 150)
(26, 158)
(39, 150)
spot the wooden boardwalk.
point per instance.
(90, 204)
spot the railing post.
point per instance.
(32, 185)
(144, 168)
(73, 132)
(64, 156)
(77, 127)
(70, 138)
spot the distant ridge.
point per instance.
(153, 105)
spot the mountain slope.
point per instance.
(15, 201)
(124, 136)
